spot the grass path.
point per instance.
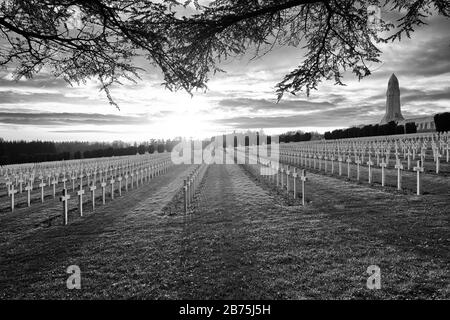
(246, 242)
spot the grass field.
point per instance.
(244, 240)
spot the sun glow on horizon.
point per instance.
(185, 125)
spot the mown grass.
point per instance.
(244, 240)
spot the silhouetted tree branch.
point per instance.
(78, 40)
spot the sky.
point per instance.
(243, 98)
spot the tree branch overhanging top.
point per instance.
(78, 40)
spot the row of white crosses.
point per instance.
(378, 148)
(129, 166)
(319, 160)
(141, 174)
(27, 173)
(284, 177)
(191, 184)
(381, 147)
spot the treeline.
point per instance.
(40, 151)
(442, 122)
(297, 136)
(390, 128)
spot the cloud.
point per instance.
(69, 119)
(46, 81)
(264, 105)
(328, 118)
(242, 98)
(82, 131)
(20, 97)
(414, 95)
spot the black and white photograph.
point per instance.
(241, 152)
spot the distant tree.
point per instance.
(374, 130)
(141, 149)
(160, 148)
(411, 127)
(77, 40)
(442, 122)
(399, 130)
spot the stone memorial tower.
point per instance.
(393, 112)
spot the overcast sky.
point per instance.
(243, 98)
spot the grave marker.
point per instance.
(112, 187)
(370, 164)
(12, 193)
(399, 168)
(28, 190)
(65, 199)
(349, 161)
(103, 185)
(42, 185)
(80, 201)
(358, 162)
(92, 188)
(383, 165)
(419, 169)
(304, 179)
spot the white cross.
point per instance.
(42, 185)
(370, 164)
(54, 187)
(287, 179)
(92, 188)
(349, 160)
(112, 187)
(282, 177)
(438, 160)
(65, 199)
(73, 182)
(80, 201)
(422, 155)
(20, 184)
(447, 150)
(408, 156)
(418, 169)
(186, 192)
(8, 186)
(28, 190)
(64, 182)
(399, 168)
(304, 179)
(358, 162)
(103, 185)
(396, 155)
(332, 163)
(120, 185)
(81, 176)
(12, 192)
(295, 176)
(383, 166)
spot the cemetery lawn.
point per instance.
(244, 241)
